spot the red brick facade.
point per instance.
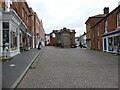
(104, 30)
(89, 32)
(64, 38)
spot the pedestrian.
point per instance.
(39, 45)
(81, 45)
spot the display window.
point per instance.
(13, 40)
(117, 44)
(110, 44)
(5, 35)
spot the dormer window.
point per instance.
(118, 20)
(106, 26)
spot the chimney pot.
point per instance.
(106, 10)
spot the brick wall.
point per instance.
(89, 32)
(111, 18)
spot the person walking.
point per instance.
(39, 45)
(81, 45)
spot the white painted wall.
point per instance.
(1, 42)
(0, 49)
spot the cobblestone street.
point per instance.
(72, 68)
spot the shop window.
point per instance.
(5, 34)
(118, 19)
(117, 44)
(110, 44)
(13, 40)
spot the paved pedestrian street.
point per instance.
(72, 68)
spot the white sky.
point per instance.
(72, 14)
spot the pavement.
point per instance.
(0, 74)
(72, 68)
(14, 69)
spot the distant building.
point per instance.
(82, 40)
(47, 39)
(64, 38)
(77, 41)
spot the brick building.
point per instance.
(89, 33)
(20, 28)
(39, 31)
(106, 32)
(64, 37)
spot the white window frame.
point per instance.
(98, 44)
(23, 12)
(98, 30)
(53, 35)
(106, 26)
(118, 20)
(93, 33)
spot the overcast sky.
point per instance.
(72, 14)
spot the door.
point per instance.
(105, 44)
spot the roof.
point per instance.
(106, 16)
(96, 16)
(99, 15)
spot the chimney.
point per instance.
(118, 3)
(106, 10)
(64, 28)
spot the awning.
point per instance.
(116, 32)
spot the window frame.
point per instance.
(98, 31)
(118, 20)
(23, 12)
(106, 27)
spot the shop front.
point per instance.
(10, 37)
(111, 41)
(1, 43)
(24, 38)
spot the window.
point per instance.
(106, 26)
(5, 34)
(98, 31)
(53, 35)
(118, 19)
(23, 12)
(13, 40)
(98, 44)
(110, 44)
(93, 34)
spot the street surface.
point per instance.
(72, 68)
